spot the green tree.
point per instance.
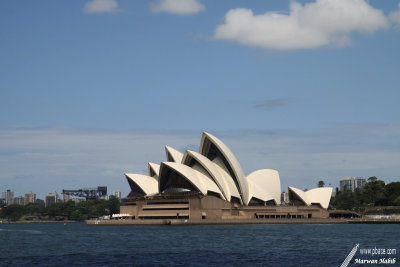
(396, 201)
(76, 215)
(346, 200)
(114, 205)
(33, 209)
(68, 209)
(373, 193)
(321, 184)
(13, 212)
(40, 202)
(393, 193)
(56, 209)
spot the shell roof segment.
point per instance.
(319, 195)
(173, 155)
(154, 170)
(215, 169)
(223, 182)
(216, 151)
(265, 185)
(196, 178)
(148, 184)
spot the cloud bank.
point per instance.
(177, 7)
(395, 17)
(271, 104)
(101, 6)
(316, 24)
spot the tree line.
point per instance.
(374, 193)
(62, 210)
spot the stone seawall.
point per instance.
(215, 221)
(240, 221)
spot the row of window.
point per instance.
(280, 216)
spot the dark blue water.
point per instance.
(76, 244)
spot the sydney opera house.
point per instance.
(210, 184)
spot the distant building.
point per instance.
(284, 197)
(8, 197)
(351, 183)
(89, 193)
(29, 198)
(77, 200)
(19, 200)
(65, 197)
(117, 194)
(50, 199)
(359, 182)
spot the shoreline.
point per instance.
(238, 221)
(34, 221)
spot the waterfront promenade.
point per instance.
(241, 221)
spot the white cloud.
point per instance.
(179, 7)
(101, 6)
(316, 24)
(395, 17)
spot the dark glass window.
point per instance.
(176, 183)
(235, 200)
(256, 202)
(136, 191)
(294, 199)
(211, 193)
(270, 203)
(213, 153)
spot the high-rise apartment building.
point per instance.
(50, 199)
(29, 198)
(19, 200)
(117, 194)
(8, 197)
(284, 197)
(351, 183)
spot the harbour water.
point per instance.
(76, 244)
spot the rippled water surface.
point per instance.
(53, 244)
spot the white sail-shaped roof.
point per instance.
(154, 170)
(233, 191)
(215, 169)
(215, 150)
(319, 195)
(300, 194)
(148, 184)
(196, 178)
(173, 155)
(221, 181)
(259, 193)
(265, 185)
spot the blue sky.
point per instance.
(302, 88)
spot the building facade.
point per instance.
(117, 194)
(29, 198)
(19, 200)
(210, 184)
(352, 183)
(284, 197)
(50, 199)
(8, 197)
